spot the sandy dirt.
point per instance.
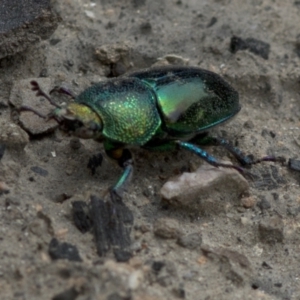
(246, 250)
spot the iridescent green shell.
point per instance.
(190, 99)
(127, 108)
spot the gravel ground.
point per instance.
(231, 239)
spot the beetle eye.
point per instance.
(94, 127)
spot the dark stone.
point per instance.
(212, 22)
(2, 150)
(297, 49)
(62, 197)
(122, 255)
(145, 27)
(266, 133)
(23, 23)
(94, 162)
(266, 266)
(59, 250)
(40, 171)
(255, 46)
(81, 216)
(3, 104)
(70, 294)
(157, 266)
(237, 44)
(54, 41)
(294, 164)
(249, 124)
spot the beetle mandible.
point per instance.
(161, 108)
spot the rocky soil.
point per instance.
(227, 237)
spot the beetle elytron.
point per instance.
(157, 109)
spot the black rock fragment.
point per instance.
(40, 171)
(255, 46)
(81, 216)
(157, 266)
(212, 22)
(59, 250)
(122, 255)
(70, 294)
(2, 150)
(294, 164)
(112, 225)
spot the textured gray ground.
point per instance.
(229, 253)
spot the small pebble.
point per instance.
(167, 228)
(145, 228)
(245, 221)
(249, 124)
(209, 189)
(190, 241)
(248, 202)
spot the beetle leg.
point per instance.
(245, 160)
(207, 157)
(124, 159)
(172, 145)
(205, 139)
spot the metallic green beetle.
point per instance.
(158, 109)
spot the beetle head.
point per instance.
(78, 120)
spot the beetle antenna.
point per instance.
(28, 108)
(280, 159)
(39, 92)
(63, 90)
